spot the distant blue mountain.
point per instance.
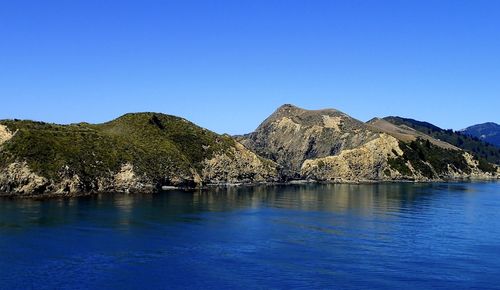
(488, 132)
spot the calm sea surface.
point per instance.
(385, 236)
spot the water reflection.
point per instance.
(124, 210)
(364, 198)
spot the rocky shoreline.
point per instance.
(152, 190)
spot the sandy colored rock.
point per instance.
(332, 122)
(5, 134)
(68, 185)
(368, 162)
(240, 165)
(125, 178)
(17, 177)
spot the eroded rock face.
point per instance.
(476, 173)
(292, 135)
(5, 134)
(238, 166)
(126, 179)
(367, 162)
(17, 177)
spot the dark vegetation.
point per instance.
(476, 146)
(421, 154)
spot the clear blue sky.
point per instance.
(226, 65)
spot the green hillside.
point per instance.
(154, 143)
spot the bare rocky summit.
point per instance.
(292, 135)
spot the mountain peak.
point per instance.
(373, 120)
(292, 134)
(288, 108)
(483, 126)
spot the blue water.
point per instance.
(383, 236)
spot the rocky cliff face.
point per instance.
(328, 145)
(366, 162)
(137, 152)
(238, 165)
(293, 135)
(5, 134)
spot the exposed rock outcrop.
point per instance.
(476, 172)
(126, 180)
(292, 135)
(238, 165)
(367, 162)
(5, 134)
(18, 178)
